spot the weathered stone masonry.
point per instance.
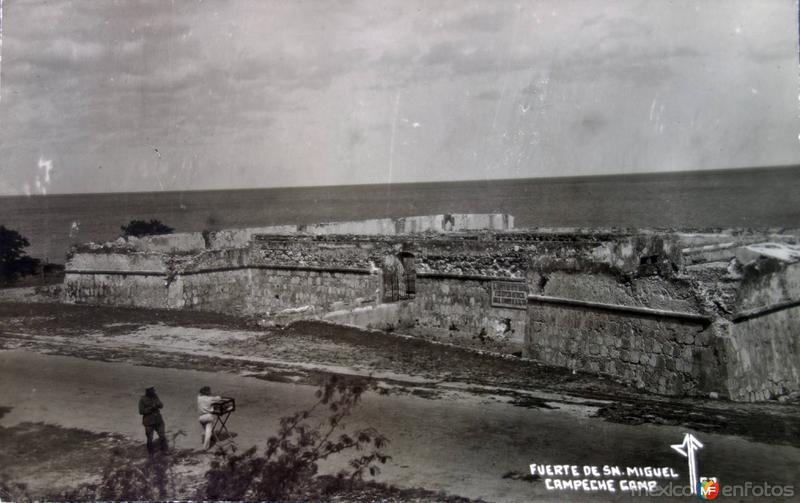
(671, 313)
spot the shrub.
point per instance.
(139, 228)
(288, 468)
(14, 262)
(13, 491)
(286, 471)
(129, 476)
(126, 480)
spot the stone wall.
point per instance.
(131, 290)
(459, 222)
(338, 253)
(389, 317)
(275, 290)
(671, 314)
(133, 262)
(762, 345)
(264, 291)
(663, 356)
(257, 290)
(621, 308)
(713, 325)
(459, 310)
(225, 291)
(117, 279)
(763, 356)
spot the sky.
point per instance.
(127, 95)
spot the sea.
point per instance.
(757, 198)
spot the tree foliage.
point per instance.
(150, 480)
(286, 471)
(125, 478)
(139, 228)
(14, 261)
(288, 467)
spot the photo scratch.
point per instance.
(1, 50)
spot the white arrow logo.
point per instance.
(687, 449)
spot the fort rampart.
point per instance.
(670, 313)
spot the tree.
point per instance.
(14, 261)
(287, 470)
(139, 228)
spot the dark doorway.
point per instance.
(393, 279)
(409, 272)
(399, 277)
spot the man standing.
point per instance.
(205, 407)
(149, 406)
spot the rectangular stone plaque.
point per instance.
(510, 294)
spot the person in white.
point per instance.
(205, 407)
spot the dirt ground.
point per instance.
(67, 463)
(305, 353)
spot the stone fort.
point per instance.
(675, 313)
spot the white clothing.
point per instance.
(205, 403)
(205, 406)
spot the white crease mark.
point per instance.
(394, 131)
(504, 85)
(158, 168)
(1, 49)
(43, 176)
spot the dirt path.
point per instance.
(307, 352)
(462, 445)
(462, 422)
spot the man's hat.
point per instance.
(150, 388)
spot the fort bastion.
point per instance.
(675, 313)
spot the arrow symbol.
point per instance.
(687, 449)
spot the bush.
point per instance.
(286, 471)
(148, 480)
(139, 228)
(13, 491)
(128, 476)
(14, 262)
(288, 468)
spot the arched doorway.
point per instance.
(399, 277)
(409, 272)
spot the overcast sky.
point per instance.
(134, 95)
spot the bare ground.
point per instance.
(68, 463)
(308, 352)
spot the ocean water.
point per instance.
(754, 198)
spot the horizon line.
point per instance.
(475, 180)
